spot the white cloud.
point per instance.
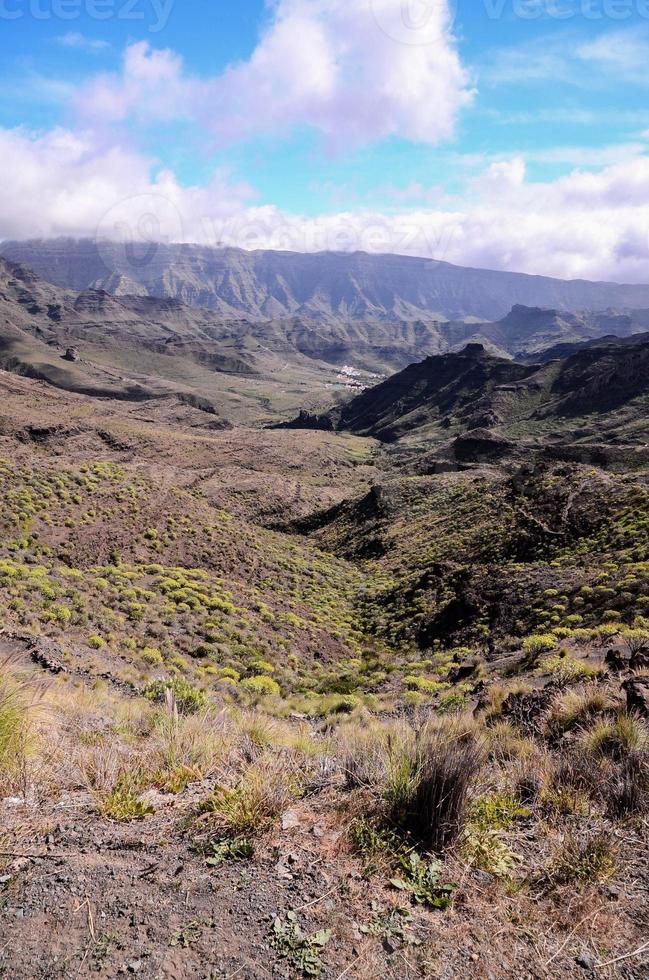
(344, 68)
(65, 183)
(626, 52)
(74, 39)
(585, 224)
(611, 57)
(584, 156)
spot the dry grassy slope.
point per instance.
(453, 558)
(479, 557)
(444, 557)
(309, 671)
(115, 536)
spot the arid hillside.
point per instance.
(294, 702)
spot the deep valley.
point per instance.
(324, 641)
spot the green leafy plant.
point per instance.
(189, 934)
(393, 924)
(369, 838)
(303, 950)
(124, 806)
(217, 852)
(496, 811)
(484, 849)
(380, 846)
(422, 880)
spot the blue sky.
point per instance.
(301, 111)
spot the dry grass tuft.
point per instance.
(616, 738)
(575, 707)
(20, 705)
(579, 861)
(446, 767)
(252, 805)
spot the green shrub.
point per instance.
(453, 701)
(345, 704)
(203, 651)
(152, 655)
(424, 685)
(258, 667)
(482, 845)
(540, 643)
(262, 686)
(188, 699)
(566, 668)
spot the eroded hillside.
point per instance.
(281, 702)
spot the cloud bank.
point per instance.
(591, 225)
(358, 73)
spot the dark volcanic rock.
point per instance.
(637, 694)
(527, 709)
(481, 446)
(463, 671)
(308, 420)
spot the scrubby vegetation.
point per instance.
(405, 728)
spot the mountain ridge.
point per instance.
(469, 405)
(267, 284)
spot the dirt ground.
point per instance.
(82, 896)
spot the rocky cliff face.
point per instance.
(322, 286)
(459, 384)
(472, 391)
